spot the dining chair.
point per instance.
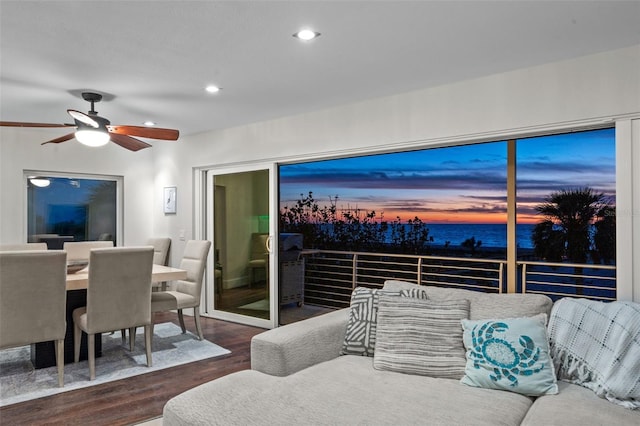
(79, 250)
(33, 298)
(258, 256)
(185, 293)
(24, 246)
(118, 297)
(161, 247)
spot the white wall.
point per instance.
(561, 95)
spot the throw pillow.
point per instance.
(509, 354)
(360, 337)
(417, 336)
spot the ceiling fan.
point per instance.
(93, 130)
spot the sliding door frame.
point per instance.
(204, 219)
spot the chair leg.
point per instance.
(77, 337)
(181, 318)
(153, 317)
(147, 343)
(123, 335)
(132, 338)
(91, 339)
(59, 344)
(196, 317)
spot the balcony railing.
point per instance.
(331, 276)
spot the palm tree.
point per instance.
(604, 238)
(572, 211)
(548, 242)
(566, 228)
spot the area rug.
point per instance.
(19, 381)
(260, 305)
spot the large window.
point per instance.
(71, 208)
(454, 202)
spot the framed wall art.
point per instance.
(169, 200)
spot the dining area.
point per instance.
(60, 303)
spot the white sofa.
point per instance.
(299, 377)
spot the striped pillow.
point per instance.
(423, 337)
(360, 337)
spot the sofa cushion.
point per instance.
(510, 354)
(417, 336)
(578, 406)
(484, 305)
(345, 390)
(360, 337)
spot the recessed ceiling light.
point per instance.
(306, 34)
(149, 123)
(212, 89)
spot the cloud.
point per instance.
(381, 180)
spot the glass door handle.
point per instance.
(267, 244)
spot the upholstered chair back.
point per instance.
(161, 248)
(79, 250)
(194, 261)
(32, 297)
(119, 291)
(25, 246)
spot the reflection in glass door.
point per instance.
(242, 289)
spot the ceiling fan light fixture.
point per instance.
(92, 138)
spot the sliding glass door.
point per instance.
(238, 214)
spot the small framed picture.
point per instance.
(169, 201)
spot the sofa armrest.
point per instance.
(294, 347)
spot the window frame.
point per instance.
(623, 173)
(44, 173)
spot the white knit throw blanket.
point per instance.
(597, 345)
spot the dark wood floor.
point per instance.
(139, 398)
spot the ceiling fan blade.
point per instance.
(21, 124)
(145, 132)
(128, 142)
(83, 118)
(60, 139)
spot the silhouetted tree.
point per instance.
(571, 212)
(471, 244)
(548, 243)
(351, 229)
(604, 237)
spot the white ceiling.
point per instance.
(154, 58)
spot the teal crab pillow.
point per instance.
(509, 354)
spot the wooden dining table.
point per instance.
(43, 353)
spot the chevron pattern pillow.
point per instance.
(360, 338)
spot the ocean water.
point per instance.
(491, 235)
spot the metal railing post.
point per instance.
(354, 271)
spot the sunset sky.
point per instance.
(464, 184)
